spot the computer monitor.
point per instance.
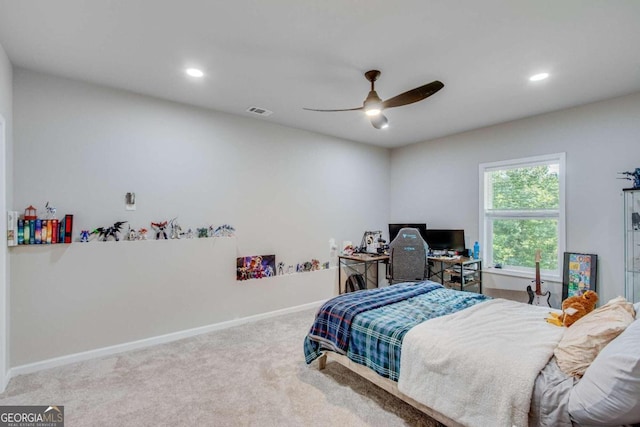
(395, 228)
(445, 240)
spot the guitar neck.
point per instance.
(536, 298)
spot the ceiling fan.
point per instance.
(373, 105)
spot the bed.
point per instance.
(469, 360)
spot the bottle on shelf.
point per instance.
(476, 250)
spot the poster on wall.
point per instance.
(580, 274)
(255, 267)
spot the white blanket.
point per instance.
(478, 366)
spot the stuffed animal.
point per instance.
(573, 308)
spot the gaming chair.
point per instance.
(407, 257)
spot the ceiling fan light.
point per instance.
(373, 104)
(538, 77)
(194, 72)
(380, 121)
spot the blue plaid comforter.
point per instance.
(375, 333)
(333, 321)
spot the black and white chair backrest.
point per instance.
(408, 256)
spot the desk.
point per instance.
(459, 271)
(351, 263)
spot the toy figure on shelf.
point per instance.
(280, 268)
(51, 211)
(105, 232)
(632, 176)
(142, 234)
(84, 236)
(203, 232)
(224, 230)
(315, 265)
(268, 271)
(325, 266)
(30, 213)
(176, 230)
(131, 234)
(160, 228)
(189, 234)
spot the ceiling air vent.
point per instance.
(259, 111)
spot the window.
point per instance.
(521, 211)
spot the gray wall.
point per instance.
(6, 163)
(437, 181)
(82, 147)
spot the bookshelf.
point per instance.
(30, 230)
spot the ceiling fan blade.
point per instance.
(413, 95)
(333, 111)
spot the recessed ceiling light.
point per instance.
(538, 77)
(194, 72)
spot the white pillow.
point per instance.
(608, 392)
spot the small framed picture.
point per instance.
(580, 274)
(255, 267)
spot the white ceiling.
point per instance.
(284, 55)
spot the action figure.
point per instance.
(176, 230)
(131, 234)
(189, 234)
(224, 230)
(104, 232)
(142, 234)
(160, 228)
(280, 268)
(51, 211)
(84, 235)
(315, 265)
(268, 271)
(203, 232)
(632, 176)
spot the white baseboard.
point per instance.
(148, 342)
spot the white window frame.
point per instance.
(485, 220)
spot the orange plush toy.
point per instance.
(573, 308)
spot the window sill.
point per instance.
(522, 274)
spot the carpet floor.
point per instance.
(249, 375)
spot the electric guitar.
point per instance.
(537, 297)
